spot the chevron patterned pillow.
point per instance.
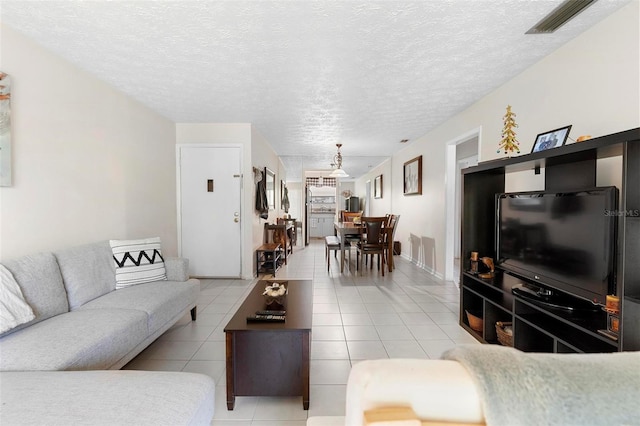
(137, 261)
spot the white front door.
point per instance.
(209, 183)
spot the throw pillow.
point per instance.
(14, 310)
(137, 261)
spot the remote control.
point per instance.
(267, 312)
(265, 318)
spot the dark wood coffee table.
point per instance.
(270, 358)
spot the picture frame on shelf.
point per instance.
(412, 176)
(551, 139)
(377, 187)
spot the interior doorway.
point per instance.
(461, 152)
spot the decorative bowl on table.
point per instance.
(275, 295)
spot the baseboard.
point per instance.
(423, 266)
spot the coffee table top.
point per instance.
(298, 304)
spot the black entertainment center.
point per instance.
(558, 252)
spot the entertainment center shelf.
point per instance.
(536, 327)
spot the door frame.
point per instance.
(451, 163)
(179, 194)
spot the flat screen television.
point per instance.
(561, 240)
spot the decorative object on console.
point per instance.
(509, 143)
(474, 262)
(612, 308)
(275, 294)
(612, 304)
(488, 262)
(137, 261)
(551, 139)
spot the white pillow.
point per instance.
(137, 261)
(14, 310)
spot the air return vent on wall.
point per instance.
(560, 16)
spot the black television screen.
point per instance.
(563, 241)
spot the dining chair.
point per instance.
(391, 226)
(373, 242)
(349, 240)
(350, 216)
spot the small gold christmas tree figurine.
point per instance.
(509, 143)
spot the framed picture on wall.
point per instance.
(412, 175)
(377, 187)
(551, 139)
(5, 129)
(271, 188)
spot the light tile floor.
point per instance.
(405, 314)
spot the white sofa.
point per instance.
(107, 397)
(83, 323)
(491, 384)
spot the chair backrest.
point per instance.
(373, 228)
(349, 216)
(394, 225)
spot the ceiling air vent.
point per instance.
(560, 16)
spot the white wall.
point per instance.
(89, 163)
(263, 155)
(256, 153)
(593, 82)
(379, 206)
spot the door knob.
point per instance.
(236, 220)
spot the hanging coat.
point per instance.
(262, 204)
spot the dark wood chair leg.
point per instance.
(194, 313)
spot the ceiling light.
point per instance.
(337, 160)
(560, 16)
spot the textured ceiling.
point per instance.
(307, 74)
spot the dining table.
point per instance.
(342, 229)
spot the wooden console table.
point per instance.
(285, 229)
(270, 358)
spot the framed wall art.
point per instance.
(271, 187)
(5, 129)
(412, 175)
(551, 139)
(377, 187)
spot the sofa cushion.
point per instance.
(78, 340)
(161, 300)
(87, 272)
(41, 283)
(14, 310)
(106, 398)
(137, 261)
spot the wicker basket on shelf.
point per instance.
(505, 338)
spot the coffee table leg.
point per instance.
(231, 395)
(306, 344)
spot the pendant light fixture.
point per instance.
(337, 160)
